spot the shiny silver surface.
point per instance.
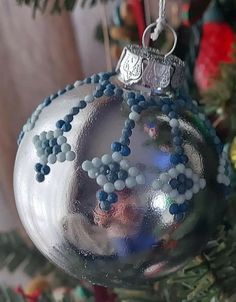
(140, 241)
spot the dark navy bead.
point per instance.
(53, 97)
(88, 80)
(38, 167)
(105, 76)
(136, 108)
(98, 93)
(82, 104)
(180, 102)
(130, 123)
(181, 178)
(181, 189)
(66, 127)
(40, 177)
(111, 86)
(48, 151)
(109, 92)
(179, 150)
(118, 92)
(45, 144)
(74, 110)
(47, 102)
(56, 149)
(126, 132)
(59, 124)
(45, 169)
(165, 109)
(174, 209)
(189, 183)
(105, 206)
(116, 146)
(174, 159)
(101, 195)
(68, 118)
(183, 207)
(177, 140)
(112, 177)
(124, 140)
(62, 91)
(174, 183)
(131, 95)
(143, 104)
(112, 197)
(122, 174)
(140, 98)
(104, 170)
(179, 217)
(175, 107)
(70, 87)
(52, 142)
(125, 151)
(114, 166)
(172, 115)
(131, 102)
(219, 148)
(184, 159)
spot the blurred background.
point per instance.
(42, 52)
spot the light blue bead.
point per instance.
(42, 135)
(50, 134)
(58, 132)
(109, 187)
(89, 98)
(61, 157)
(87, 165)
(130, 182)
(70, 155)
(106, 159)
(119, 185)
(43, 159)
(52, 159)
(61, 140)
(65, 147)
(35, 139)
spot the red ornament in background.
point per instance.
(216, 47)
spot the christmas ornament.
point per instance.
(120, 178)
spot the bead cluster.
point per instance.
(51, 147)
(112, 173)
(223, 170)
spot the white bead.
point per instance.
(130, 182)
(174, 123)
(134, 116)
(101, 180)
(173, 194)
(124, 164)
(180, 168)
(70, 155)
(106, 159)
(52, 159)
(221, 169)
(164, 178)
(133, 171)
(92, 173)
(109, 187)
(220, 178)
(61, 157)
(65, 147)
(157, 184)
(173, 172)
(188, 195)
(166, 188)
(188, 172)
(50, 134)
(116, 156)
(87, 165)
(195, 188)
(89, 98)
(140, 179)
(96, 161)
(119, 185)
(202, 183)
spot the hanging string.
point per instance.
(161, 20)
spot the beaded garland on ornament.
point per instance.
(112, 171)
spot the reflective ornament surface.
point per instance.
(119, 180)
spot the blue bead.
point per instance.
(112, 177)
(88, 80)
(101, 87)
(48, 151)
(108, 92)
(104, 169)
(140, 98)
(125, 151)
(219, 148)
(181, 189)
(82, 104)
(175, 131)
(101, 195)
(53, 97)
(114, 166)
(180, 102)
(181, 178)
(105, 83)
(165, 109)
(45, 144)
(136, 108)
(105, 76)
(131, 95)
(118, 92)
(172, 115)
(174, 159)
(59, 124)
(105, 206)
(116, 146)
(183, 207)
(70, 87)
(38, 167)
(131, 102)
(45, 170)
(122, 174)
(124, 140)
(112, 197)
(68, 118)
(111, 86)
(184, 159)
(175, 107)
(98, 93)
(179, 217)
(62, 91)
(74, 111)
(143, 104)
(177, 140)
(40, 177)
(47, 101)
(174, 183)
(56, 149)
(126, 132)
(174, 209)
(130, 123)
(66, 127)
(179, 150)
(95, 78)
(189, 183)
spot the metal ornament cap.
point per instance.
(149, 68)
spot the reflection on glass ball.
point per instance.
(116, 186)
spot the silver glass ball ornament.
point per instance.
(120, 179)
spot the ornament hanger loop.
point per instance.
(160, 25)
